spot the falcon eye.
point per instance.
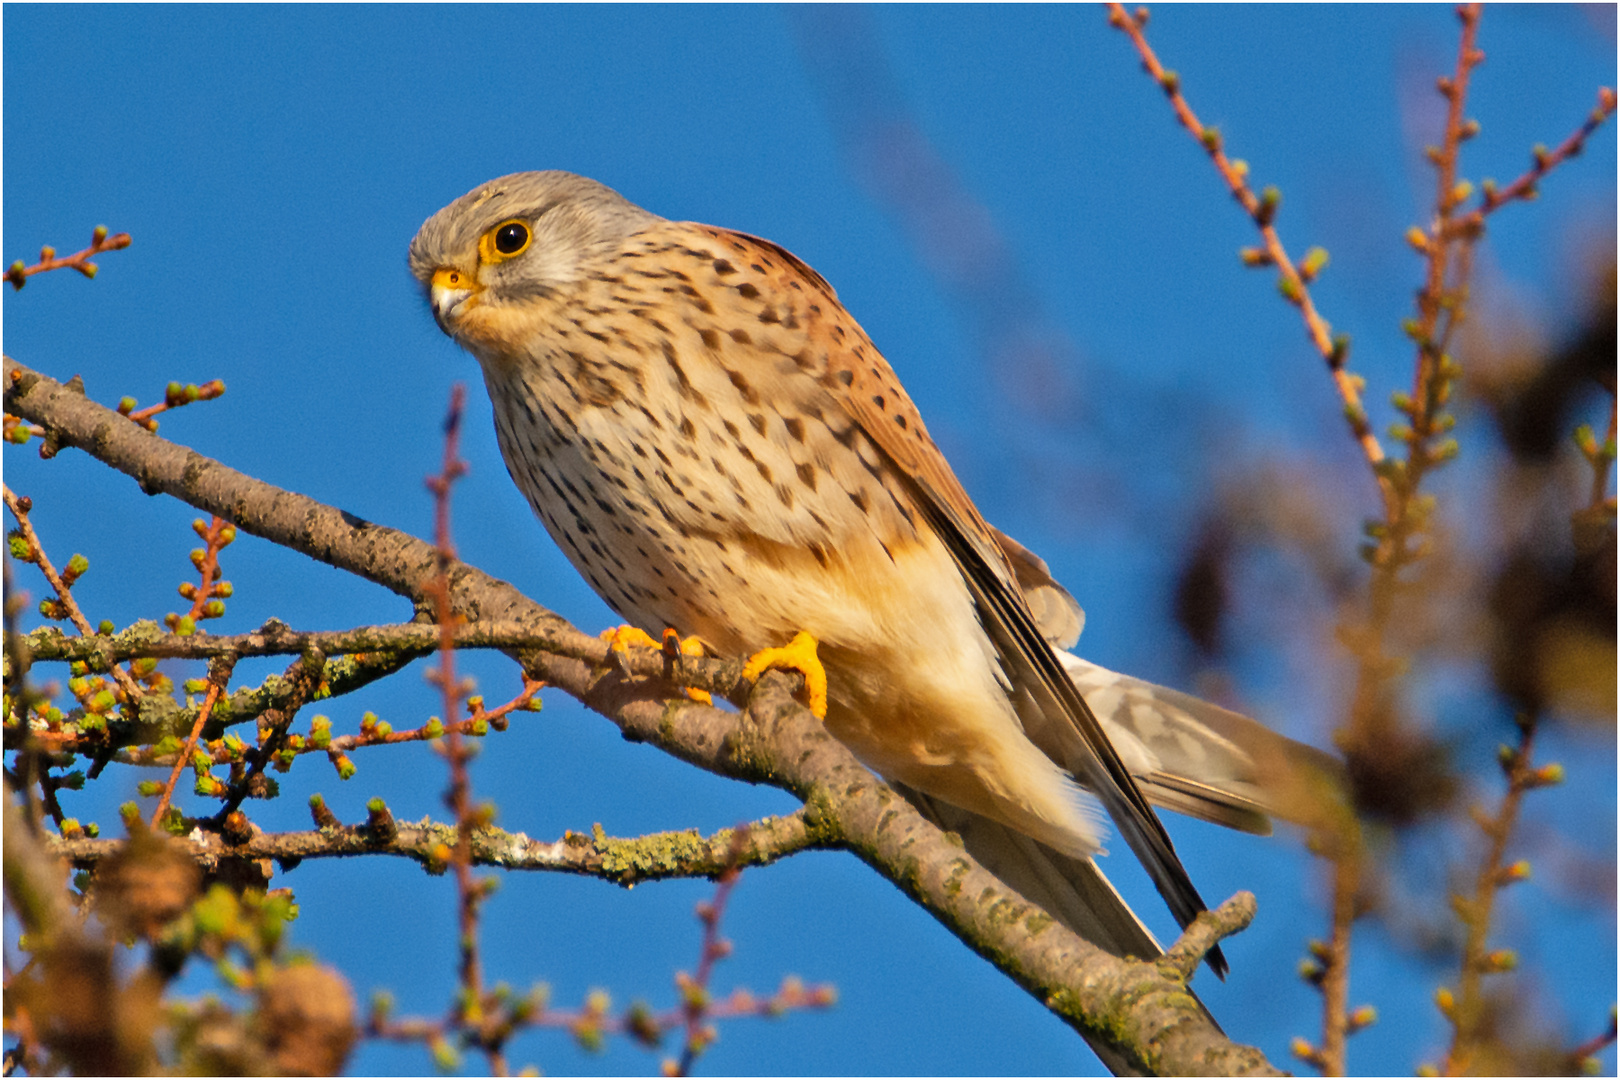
(511, 238)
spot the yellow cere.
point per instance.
(455, 280)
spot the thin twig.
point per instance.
(1583, 1059)
(1493, 198)
(18, 272)
(696, 1005)
(219, 674)
(1262, 209)
(64, 595)
(468, 1011)
(174, 396)
(1466, 1009)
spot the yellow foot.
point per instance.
(798, 655)
(622, 637)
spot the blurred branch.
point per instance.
(1466, 1010)
(1128, 1005)
(1600, 456)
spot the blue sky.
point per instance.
(273, 163)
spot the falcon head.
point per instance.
(485, 259)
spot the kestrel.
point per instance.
(719, 448)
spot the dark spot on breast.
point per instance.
(820, 553)
(732, 429)
(749, 394)
(758, 269)
(757, 422)
(746, 290)
(711, 338)
(805, 358)
(688, 428)
(877, 399)
(768, 316)
(900, 419)
(682, 383)
(784, 495)
(859, 499)
(764, 469)
(846, 377)
(741, 337)
(723, 267)
(795, 428)
(807, 474)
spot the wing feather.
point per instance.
(860, 381)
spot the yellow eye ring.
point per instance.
(505, 241)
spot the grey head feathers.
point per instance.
(574, 221)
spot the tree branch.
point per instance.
(621, 860)
(1134, 1007)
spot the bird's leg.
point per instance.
(797, 655)
(622, 637)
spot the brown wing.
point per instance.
(861, 382)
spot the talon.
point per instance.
(798, 655)
(675, 646)
(622, 637)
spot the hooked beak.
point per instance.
(449, 293)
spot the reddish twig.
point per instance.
(18, 272)
(1262, 208)
(695, 1003)
(208, 598)
(219, 674)
(1544, 161)
(18, 431)
(1583, 1059)
(468, 1012)
(174, 396)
